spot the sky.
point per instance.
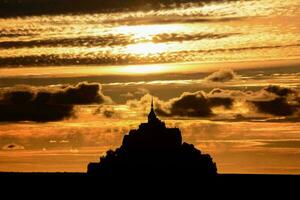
(227, 73)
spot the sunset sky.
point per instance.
(227, 73)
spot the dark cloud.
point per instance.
(278, 107)
(82, 93)
(221, 101)
(280, 91)
(271, 100)
(280, 102)
(34, 112)
(13, 146)
(19, 97)
(197, 104)
(51, 103)
(221, 76)
(191, 105)
(10, 8)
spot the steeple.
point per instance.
(152, 116)
(152, 107)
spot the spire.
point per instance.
(152, 116)
(152, 107)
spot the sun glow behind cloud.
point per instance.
(144, 69)
(147, 31)
(145, 49)
(191, 67)
(143, 35)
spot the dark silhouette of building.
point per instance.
(154, 149)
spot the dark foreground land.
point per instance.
(84, 176)
(59, 180)
(82, 186)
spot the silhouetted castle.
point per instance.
(154, 149)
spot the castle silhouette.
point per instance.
(154, 149)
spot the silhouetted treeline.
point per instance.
(36, 7)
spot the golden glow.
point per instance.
(144, 34)
(146, 48)
(143, 69)
(147, 31)
(223, 140)
(137, 69)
